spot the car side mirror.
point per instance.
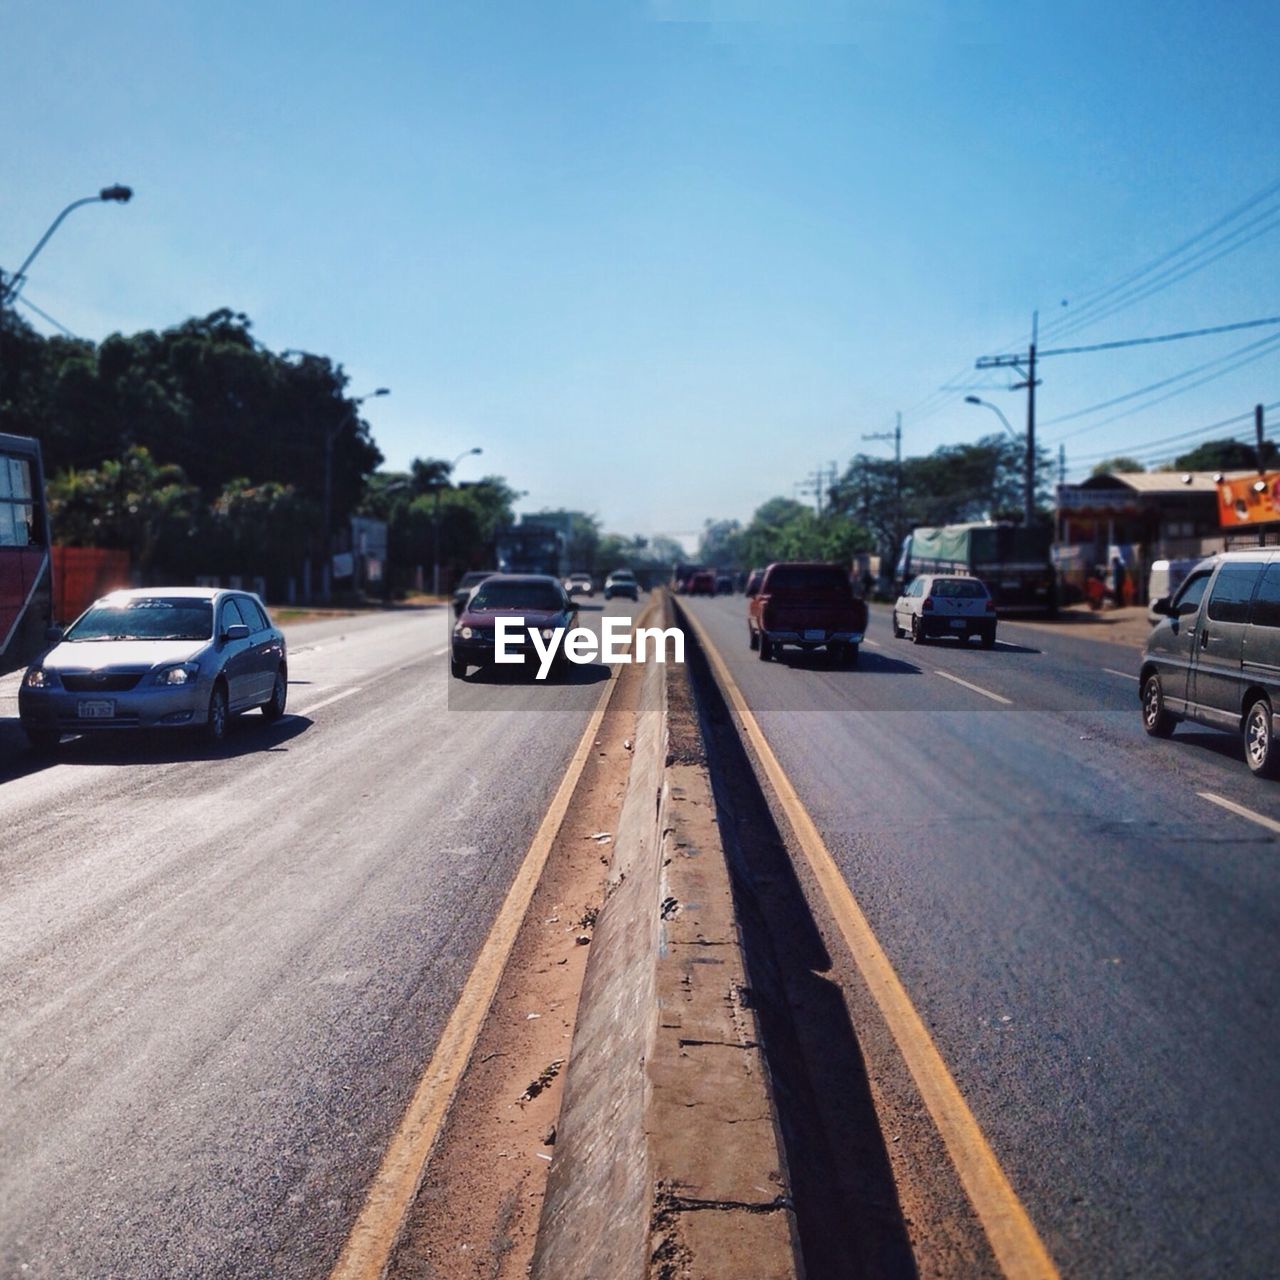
(236, 631)
(53, 635)
(1163, 607)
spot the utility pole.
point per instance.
(1257, 428)
(896, 436)
(1030, 382)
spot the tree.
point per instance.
(132, 503)
(1225, 455)
(782, 529)
(1117, 466)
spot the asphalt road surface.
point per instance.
(223, 972)
(1091, 942)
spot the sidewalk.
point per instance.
(1128, 626)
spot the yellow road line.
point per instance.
(368, 1248)
(1240, 811)
(976, 688)
(1018, 1248)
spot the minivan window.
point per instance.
(1188, 599)
(1266, 604)
(1232, 591)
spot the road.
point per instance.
(1091, 942)
(222, 972)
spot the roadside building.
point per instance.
(1137, 518)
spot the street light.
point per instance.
(115, 194)
(329, 437)
(1029, 497)
(435, 522)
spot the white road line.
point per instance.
(332, 698)
(875, 644)
(1240, 811)
(986, 693)
(438, 653)
(1124, 675)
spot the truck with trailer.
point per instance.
(1014, 561)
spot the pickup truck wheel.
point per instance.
(1260, 750)
(766, 649)
(917, 630)
(754, 639)
(847, 655)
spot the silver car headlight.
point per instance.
(179, 675)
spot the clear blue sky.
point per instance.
(658, 258)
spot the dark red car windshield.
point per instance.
(805, 579)
(540, 597)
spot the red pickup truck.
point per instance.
(808, 606)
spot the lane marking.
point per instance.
(325, 702)
(440, 652)
(1240, 811)
(977, 688)
(377, 1228)
(1124, 675)
(875, 644)
(1019, 1251)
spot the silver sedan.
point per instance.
(158, 658)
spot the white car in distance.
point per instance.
(945, 605)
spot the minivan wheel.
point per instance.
(1260, 751)
(1156, 719)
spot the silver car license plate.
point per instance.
(96, 709)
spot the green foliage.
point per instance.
(133, 503)
(782, 529)
(954, 483)
(204, 394)
(1226, 455)
(1117, 466)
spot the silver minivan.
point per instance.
(1214, 656)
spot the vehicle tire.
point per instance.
(1156, 719)
(898, 632)
(848, 655)
(766, 649)
(457, 668)
(917, 630)
(1261, 753)
(215, 729)
(44, 742)
(274, 709)
(755, 639)
(989, 639)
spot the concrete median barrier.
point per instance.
(667, 1161)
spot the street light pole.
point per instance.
(1029, 479)
(10, 289)
(435, 522)
(329, 437)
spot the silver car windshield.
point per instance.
(156, 618)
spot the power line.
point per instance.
(1270, 341)
(1202, 258)
(1091, 299)
(1182, 437)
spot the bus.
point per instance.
(530, 547)
(26, 569)
(1014, 561)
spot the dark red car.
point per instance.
(537, 598)
(703, 583)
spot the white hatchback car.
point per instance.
(945, 605)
